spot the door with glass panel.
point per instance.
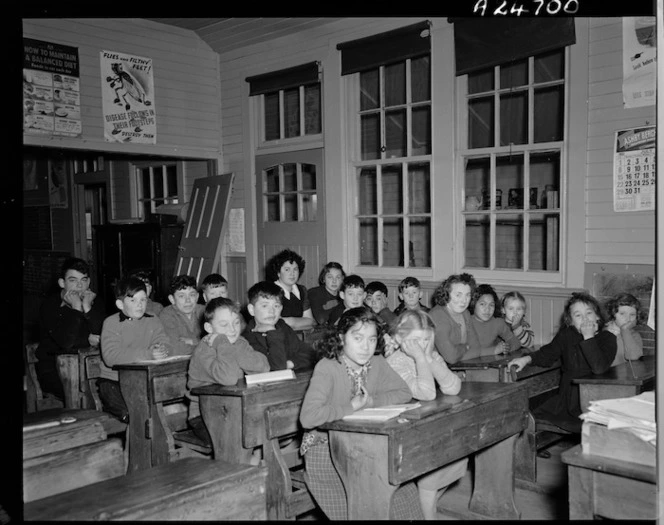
(291, 209)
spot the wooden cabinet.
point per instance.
(121, 248)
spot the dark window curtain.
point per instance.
(480, 42)
(283, 79)
(385, 48)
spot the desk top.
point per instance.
(168, 365)
(626, 469)
(240, 389)
(500, 361)
(644, 370)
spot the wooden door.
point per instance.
(202, 236)
(290, 207)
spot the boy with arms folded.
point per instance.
(126, 337)
(182, 319)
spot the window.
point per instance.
(156, 185)
(512, 135)
(289, 193)
(393, 168)
(292, 113)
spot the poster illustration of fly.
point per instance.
(634, 169)
(128, 98)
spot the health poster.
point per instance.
(639, 61)
(51, 89)
(128, 98)
(634, 168)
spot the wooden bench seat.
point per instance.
(189, 489)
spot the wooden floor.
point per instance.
(547, 500)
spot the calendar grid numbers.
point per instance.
(634, 169)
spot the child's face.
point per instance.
(225, 322)
(184, 300)
(218, 290)
(333, 280)
(625, 314)
(484, 307)
(459, 297)
(360, 343)
(266, 311)
(74, 280)
(289, 273)
(411, 296)
(376, 301)
(580, 312)
(133, 307)
(353, 297)
(514, 309)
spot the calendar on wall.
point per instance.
(634, 169)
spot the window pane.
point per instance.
(368, 204)
(420, 79)
(369, 90)
(421, 131)
(514, 75)
(478, 183)
(544, 240)
(158, 183)
(272, 206)
(509, 178)
(392, 185)
(370, 125)
(509, 241)
(513, 119)
(419, 188)
(395, 133)
(369, 241)
(292, 112)
(309, 207)
(395, 84)
(312, 120)
(308, 176)
(481, 81)
(271, 102)
(420, 242)
(548, 114)
(545, 178)
(290, 177)
(290, 208)
(478, 241)
(393, 242)
(145, 180)
(550, 66)
(480, 122)
(272, 179)
(172, 181)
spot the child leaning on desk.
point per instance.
(128, 336)
(349, 377)
(416, 361)
(513, 308)
(495, 336)
(623, 310)
(583, 348)
(222, 357)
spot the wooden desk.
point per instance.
(617, 382)
(187, 489)
(609, 488)
(234, 415)
(373, 459)
(146, 387)
(71, 369)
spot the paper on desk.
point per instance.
(636, 414)
(380, 413)
(165, 359)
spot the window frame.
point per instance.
(137, 196)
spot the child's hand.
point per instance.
(628, 325)
(73, 299)
(94, 339)
(613, 327)
(159, 351)
(519, 362)
(87, 298)
(361, 400)
(412, 348)
(187, 340)
(516, 320)
(501, 348)
(290, 365)
(588, 328)
(209, 339)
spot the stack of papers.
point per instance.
(380, 413)
(634, 414)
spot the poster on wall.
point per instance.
(128, 98)
(634, 168)
(235, 232)
(639, 61)
(51, 89)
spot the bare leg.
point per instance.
(429, 501)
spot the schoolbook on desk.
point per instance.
(269, 377)
(380, 413)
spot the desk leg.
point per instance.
(362, 462)
(493, 493)
(68, 372)
(134, 388)
(525, 452)
(581, 490)
(223, 419)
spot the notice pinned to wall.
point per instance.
(127, 87)
(634, 169)
(235, 232)
(639, 61)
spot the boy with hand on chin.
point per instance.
(182, 318)
(222, 357)
(269, 334)
(126, 337)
